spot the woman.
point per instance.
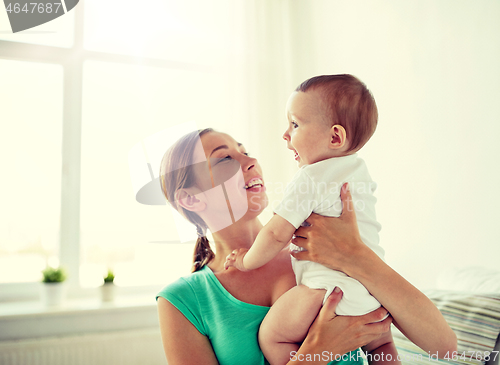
(212, 316)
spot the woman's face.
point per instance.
(230, 182)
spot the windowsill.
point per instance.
(73, 306)
(31, 319)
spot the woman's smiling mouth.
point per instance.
(255, 184)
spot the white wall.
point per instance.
(433, 67)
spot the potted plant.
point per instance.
(108, 288)
(53, 287)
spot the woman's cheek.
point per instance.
(258, 203)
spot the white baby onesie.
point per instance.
(316, 188)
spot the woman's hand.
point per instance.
(347, 332)
(332, 242)
(332, 336)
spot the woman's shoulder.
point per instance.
(186, 285)
(185, 294)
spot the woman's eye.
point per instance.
(246, 153)
(224, 159)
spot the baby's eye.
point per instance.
(246, 153)
(295, 125)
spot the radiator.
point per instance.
(135, 347)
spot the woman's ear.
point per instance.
(189, 201)
(338, 137)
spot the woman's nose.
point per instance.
(249, 163)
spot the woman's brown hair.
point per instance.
(176, 172)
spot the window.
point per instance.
(76, 96)
(30, 155)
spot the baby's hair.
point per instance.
(349, 104)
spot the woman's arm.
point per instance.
(332, 336)
(335, 243)
(182, 342)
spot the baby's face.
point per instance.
(308, 132)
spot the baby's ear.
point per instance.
(189, 201)
(338, 137)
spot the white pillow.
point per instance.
(471, 279)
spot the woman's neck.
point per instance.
(241, 234)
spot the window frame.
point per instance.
(72, 60)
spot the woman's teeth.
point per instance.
(254, 183)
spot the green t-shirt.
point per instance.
(230, 324)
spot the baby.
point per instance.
(329, 119)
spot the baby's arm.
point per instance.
(271, 240)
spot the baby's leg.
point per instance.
(288, 321)
(382, 351)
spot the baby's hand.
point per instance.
(235, 259)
